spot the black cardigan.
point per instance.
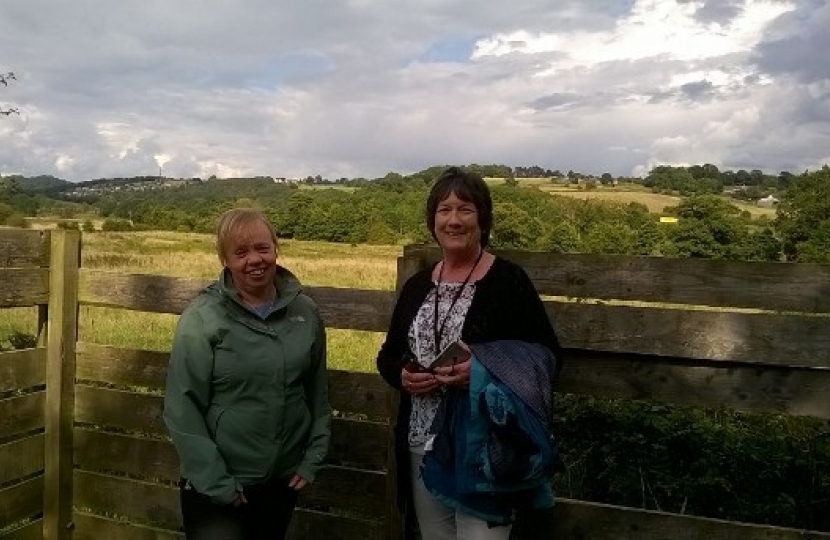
(505, 306)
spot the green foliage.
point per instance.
(17, 220)
(722, 464)
(22, 340)
(803, 217)
(817, 248)
(88, 226)
(116, 225)
(5, 211)
(390, 209)
(68, 225)
(19, 340)
(709, 227)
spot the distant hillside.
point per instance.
(41, 183)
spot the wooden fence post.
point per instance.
(396, 523)
(62, 333)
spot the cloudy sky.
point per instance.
(348, 88)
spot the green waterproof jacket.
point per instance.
(247, 397)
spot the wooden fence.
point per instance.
(84, 453)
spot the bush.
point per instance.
(17, 220)
(22, 340)
(759, 468)
(116, 225)
(68, 225)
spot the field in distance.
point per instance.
(623, 193)
(194, 255)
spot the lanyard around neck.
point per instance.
(439, 331)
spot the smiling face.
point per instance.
(457, 227)
(251, 256)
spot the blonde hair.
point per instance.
(235, 221)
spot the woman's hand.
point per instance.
(417, 380)
(297, 482)
(455, 375)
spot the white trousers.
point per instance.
(438, 521)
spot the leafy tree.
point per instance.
(709, 227)
(817, 248)
(611, 237)
(562, 238)
(116, 225)
(803, 212)
(762, 246)
(513, 227)
(5, 212)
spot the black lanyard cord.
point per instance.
(438, 331)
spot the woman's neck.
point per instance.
(258, 298)
(455, 266)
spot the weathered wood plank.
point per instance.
(24, 248)
(60, 384)
(311, 525)
(33, 530)
(349, 392)
(305, 525)
(92, 527)
(21, 501)
(762, 338)
(362, 444)
(158, 505)
(706, 282)
(577, 519)
(22, 369)
(353, 309)
(796, 391)
(23, 287)
(353, 442)
(335, 487)
(359, 393)
(144, 502)
(122, 367)
(21, 458)
(340, 308)
(119, 409)
(20, 414)
(152, 459)
(140, 292)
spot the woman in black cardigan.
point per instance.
(480, 298)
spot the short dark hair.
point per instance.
(467, 186)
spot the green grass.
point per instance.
(193, 255)
(623, 193)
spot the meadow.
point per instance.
(624, 193)
(194, 255)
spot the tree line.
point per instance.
(390, 210)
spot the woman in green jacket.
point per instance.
(246, 401)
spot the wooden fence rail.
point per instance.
(84, 452)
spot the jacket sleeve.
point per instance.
(392, 355)
(317, 393)
(538, 327)
(186, 403)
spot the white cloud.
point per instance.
(364, 87)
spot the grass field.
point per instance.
(193, 255)
(623, 193)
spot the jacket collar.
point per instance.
(287, 284)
